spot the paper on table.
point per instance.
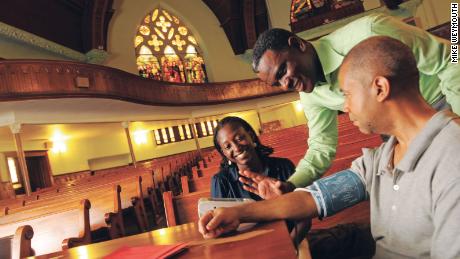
(147, 252)
(239, 237)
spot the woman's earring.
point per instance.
(255, 144)
(229, 162)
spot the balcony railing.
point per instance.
(34, 79)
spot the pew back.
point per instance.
(183, 208)
(53, 232)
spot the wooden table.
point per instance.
(268, 240)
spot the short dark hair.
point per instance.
(261, 150)
(272, 39)
(385, 56)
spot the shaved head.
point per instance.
(377, 76)
(383, 56)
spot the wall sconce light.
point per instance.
(59, 147)
(57, 144)
(140, 137)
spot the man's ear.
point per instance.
(297, 42)
(382, 87)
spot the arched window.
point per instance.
(166, 50)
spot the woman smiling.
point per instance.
(241, 149)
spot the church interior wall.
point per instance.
(111, 150)
(221, 63)
(434, 12)
(12, 49)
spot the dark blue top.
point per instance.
(225, 183)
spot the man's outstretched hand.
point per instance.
(264, 186)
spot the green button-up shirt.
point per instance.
(438, 77)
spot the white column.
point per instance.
(16, 129)
(125, 125)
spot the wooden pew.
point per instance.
(22, 242)
(183, 208)
(6, 191)
(195, 184)
(137, 201)
(19, 245)
(106, 210)
(88, 182)
(91, 185)
(56, 231)
(157, 204)
(114, 219)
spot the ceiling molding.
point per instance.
(22, 36)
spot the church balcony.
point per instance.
(46, 79)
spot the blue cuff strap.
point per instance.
(334, 193)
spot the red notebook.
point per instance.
(147, 252)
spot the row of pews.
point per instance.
(87, 208)
(289, 143)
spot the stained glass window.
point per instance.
(166, 50)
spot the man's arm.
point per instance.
(322, 143)
(295, 205)
(325, 197)
(336, 192)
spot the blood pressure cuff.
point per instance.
(334, 193)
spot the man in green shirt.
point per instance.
(282, 59)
